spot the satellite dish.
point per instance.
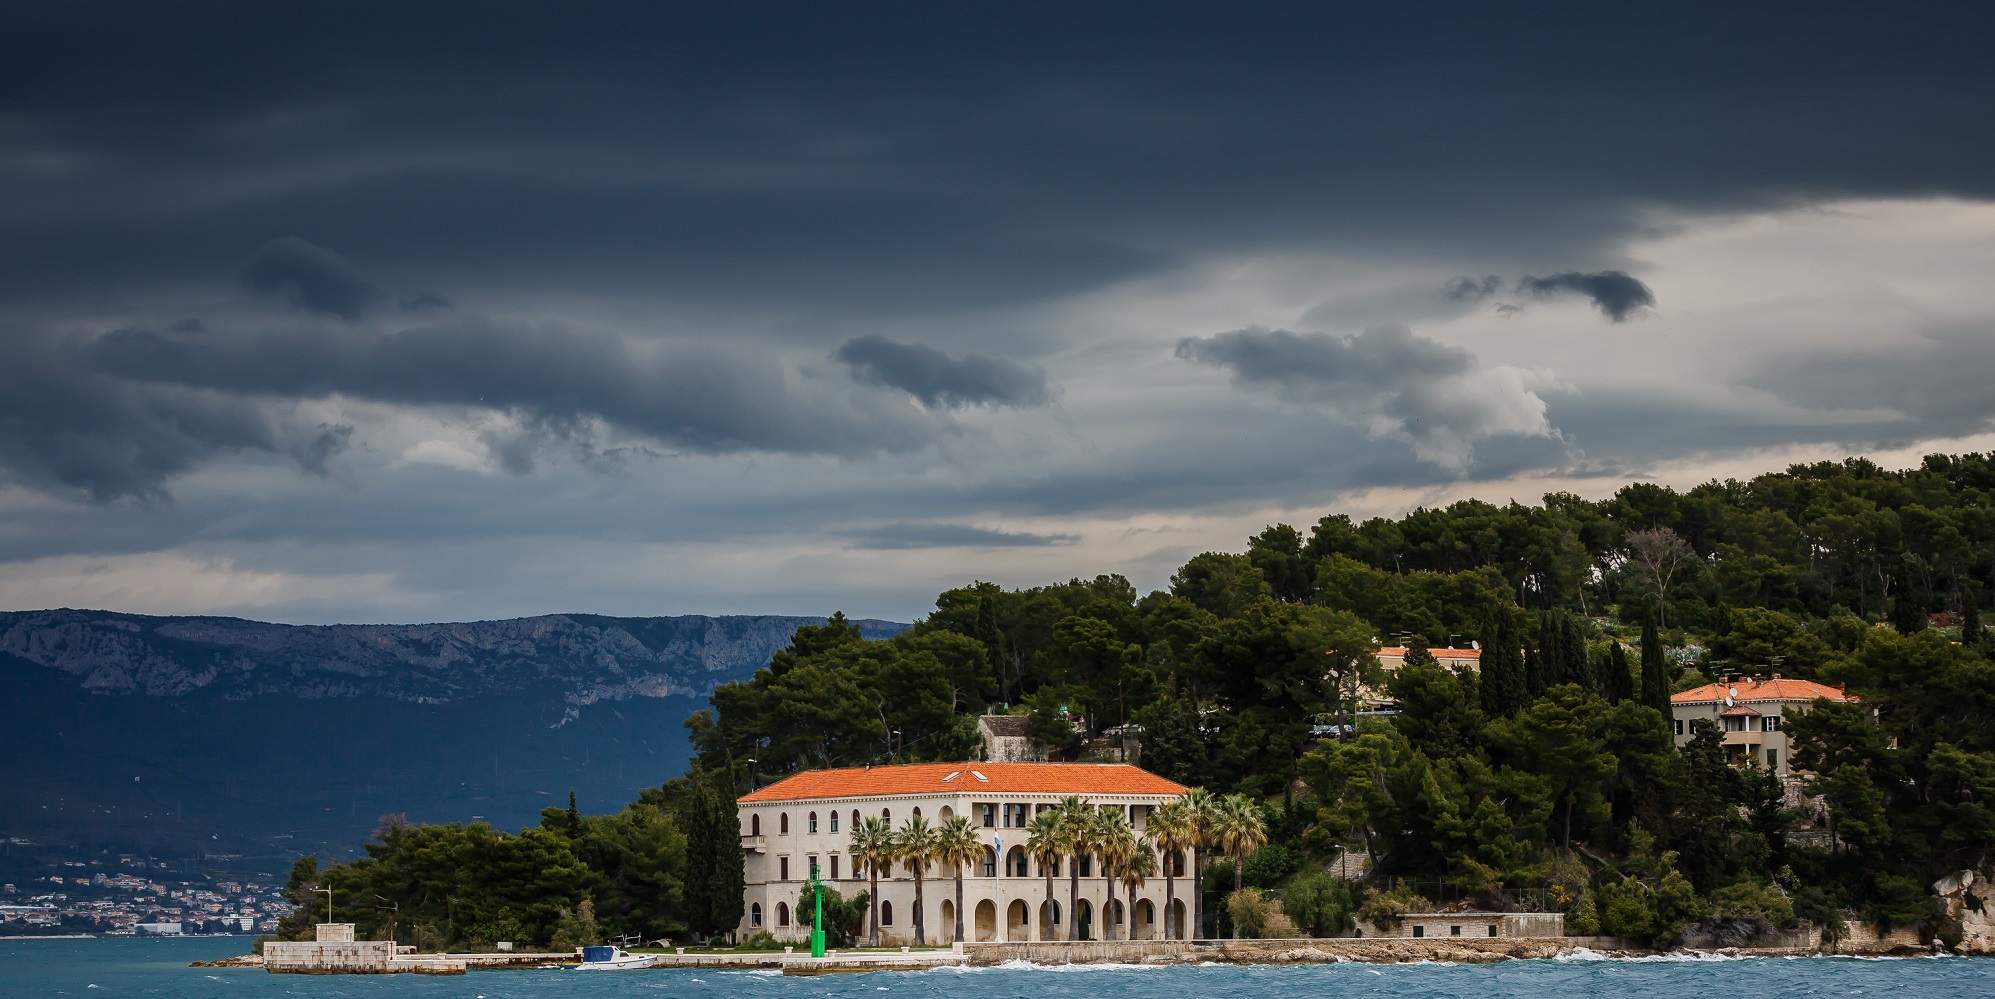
(1728, 700)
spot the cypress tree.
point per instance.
(729, 877)
(696, 820)
(574, 816)
(1655, 680)
(1578, 668)
(1541, 664)
(1970, 621)
(1620, 681)
(1503, 686)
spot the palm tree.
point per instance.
(1240, 832)
(957, 843)
(1115, 844)
(872, 847)
(1173, 828)
(1076, 820)
(914, 846)
(1042, 844)
(1140, 867)
(1202, 806)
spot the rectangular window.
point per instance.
(1735, 724)
(1771, 723)
(1679, 726)
(1087, 867)
(813, 823)
(810, 864)
(782, 868)
(1492, 929)
(990, 814)
(1454, 931)
(1420, 931)
(1773, 759)
(990, 864)
(834, 862)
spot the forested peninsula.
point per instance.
(1550, 778)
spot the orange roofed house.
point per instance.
(809, 817)
(1748, 714)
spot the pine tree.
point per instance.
(1970, 621)
(1655, 679)
(574, 816)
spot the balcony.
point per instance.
(755, 844)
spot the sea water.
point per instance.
(102, 969)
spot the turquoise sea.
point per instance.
(103, 969)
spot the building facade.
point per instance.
(1748, 714)
(808, 819)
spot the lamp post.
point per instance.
(328, 893)
(817, 908)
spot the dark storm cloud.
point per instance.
(903, 536)
(313, 278)
(1614, 293)
(698, 399)
(72, 430)
(940, 380)
(1466, 289)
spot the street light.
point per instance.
(751, 774)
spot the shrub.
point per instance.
(1318, 904)
(1257, 915)
(1383, 909)
(764, 940)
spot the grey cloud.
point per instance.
(1616, 294)
(425, 301)
(900, 536)
(1439, 399)
(940, 380)
(313, 278)
(706, 400)
(315, 452)
(1466, 289)
(66, 428)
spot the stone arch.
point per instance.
(989, 868)
(984, 926)
(1084, 917)
(1145, 926)
(855, 819)
(1177, 863)
(1112, 916)
(834, 820)
(754, 913)
(1174, 919)
(887, 814)
(886, 914)
(811, 827)
(917, 811)
(755, 824)
(1018, 921)
(1049, 920)
(782, 914)
(945, 814)
(1017, 864)
(782, 823)
(945, 928)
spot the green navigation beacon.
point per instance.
(817, 914)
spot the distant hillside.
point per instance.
(243, 736)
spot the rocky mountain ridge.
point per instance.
(588, 658)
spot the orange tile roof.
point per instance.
(1400, 652)
(1000, 778)
(1760, 690)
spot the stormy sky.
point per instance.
(404, 312)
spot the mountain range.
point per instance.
(235, 736)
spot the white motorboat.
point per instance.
(613, 959)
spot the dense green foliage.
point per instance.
(1547, 778)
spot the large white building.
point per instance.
(808, 818)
